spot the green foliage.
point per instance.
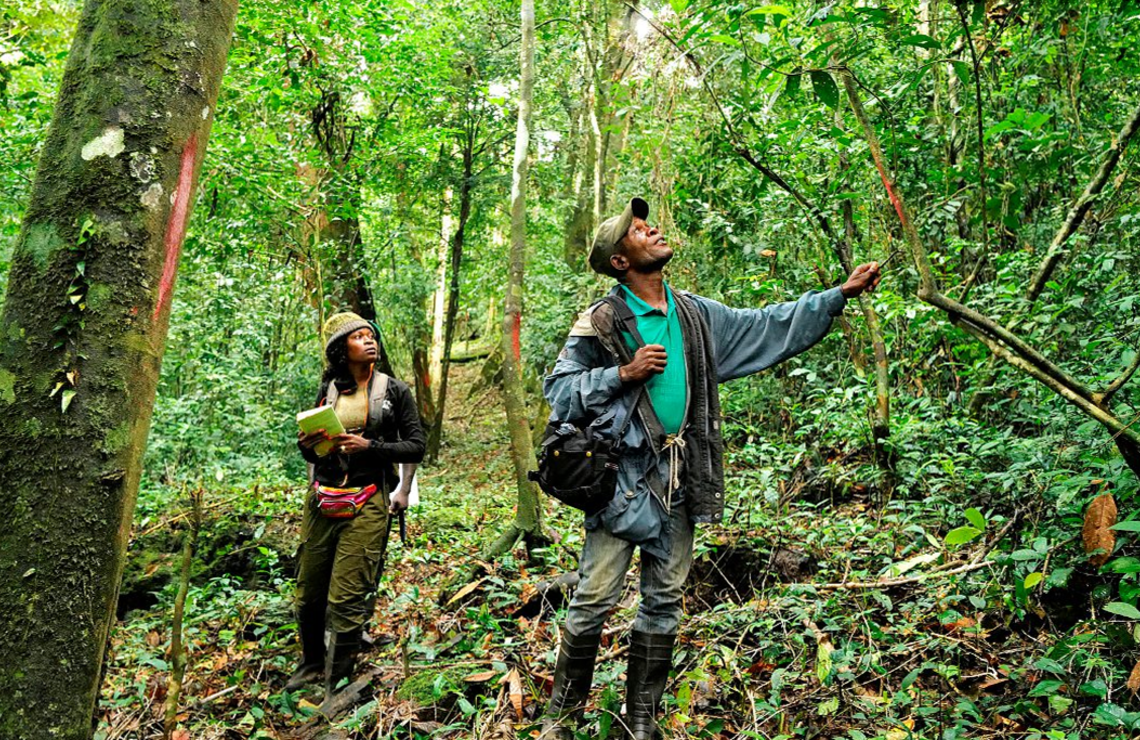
(399, 90)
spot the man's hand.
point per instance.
(310, 440)
(865, 278)
(399, 500)
(647, 362)
(350, 444)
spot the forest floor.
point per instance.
(825, 613)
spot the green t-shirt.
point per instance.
(667, 391)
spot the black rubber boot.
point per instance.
(311, 626)
(573, 674)
(650, 659)
(341, 661)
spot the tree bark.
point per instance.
(528, 516)
(85, 325)
(455, 263)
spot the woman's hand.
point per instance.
(310, 440)
(350, 444)
(399, 500)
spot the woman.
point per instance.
(342, 552)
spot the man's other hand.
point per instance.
(647, 362)
(865, 278)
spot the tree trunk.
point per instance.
(85, 325)
(349, 282)
(528, 516)
(439, 306)
(580, 161)
(338, 223)
(435, 432)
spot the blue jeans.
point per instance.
(605, 560)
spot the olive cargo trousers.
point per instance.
(340, 561)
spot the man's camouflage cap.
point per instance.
(611, 232)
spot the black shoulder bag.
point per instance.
(578, 464)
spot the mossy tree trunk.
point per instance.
(84, 328)
(528, 518)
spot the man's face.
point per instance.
(643, 249)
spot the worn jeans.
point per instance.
(605, 560)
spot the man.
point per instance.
(678, 348)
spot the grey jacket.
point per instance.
(584, 387)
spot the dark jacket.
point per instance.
(396, 437)
(584, 386)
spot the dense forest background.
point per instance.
(909, 549)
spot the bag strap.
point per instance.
(625, 320)
(376, 395)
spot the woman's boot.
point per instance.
(573, 674)
(311, 626)
(650, 660)
(341, 661)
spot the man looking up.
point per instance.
(679, 347)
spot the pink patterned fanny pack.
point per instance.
(342, 503)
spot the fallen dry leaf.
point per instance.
(465, 591)
(1095, 533)
(516, 693)
(481, 677)
(1134, 678)
(962, 624)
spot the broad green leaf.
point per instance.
(65, 399)
(792, 88)
(1123, 565)
(1122, 609)
(1130, 526)
(975, 517)
(679, 5)
(963, 71)
(770, 10)
(961, 535)
(825, 88)
(1046, 688)
(921, 39)
(1033, 579)
(721, 38)
(822, 661)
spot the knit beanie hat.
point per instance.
(341, 325)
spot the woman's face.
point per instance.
(362, 346)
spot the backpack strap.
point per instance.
(624, 320)
(377, 392)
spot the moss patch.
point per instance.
(40, 242)
(428, 686)
(7, 386)
(117, 438)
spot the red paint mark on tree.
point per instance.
(891, 194)
(516, 333)
(176, 226)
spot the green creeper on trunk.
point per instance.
(84, 328)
